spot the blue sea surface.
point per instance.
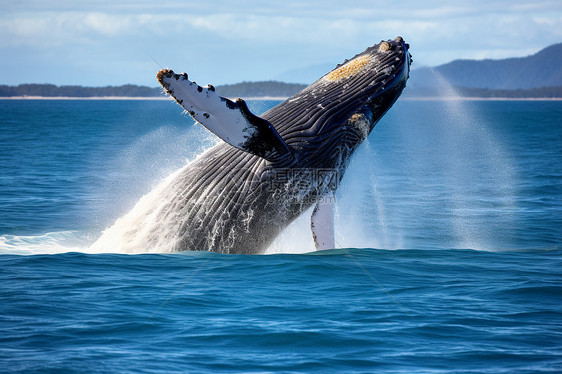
(448, 226)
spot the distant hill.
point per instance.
(543, 69)
(244, 89)
(260, 89)
(50, 90)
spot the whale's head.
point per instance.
(342, 107)
(367, 85)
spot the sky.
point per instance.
(114, 42)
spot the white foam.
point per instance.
(48, 243)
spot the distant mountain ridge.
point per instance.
(543, 69)
(535, 76)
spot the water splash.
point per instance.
(142, 165)
(473, 152)
(442, 171)
(129, 233)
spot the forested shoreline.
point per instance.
(255, 89)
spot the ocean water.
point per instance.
(448, 227)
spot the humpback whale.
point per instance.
(269, 169)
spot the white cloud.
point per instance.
(48, 29)
(248, 33)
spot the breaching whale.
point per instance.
(239, 195)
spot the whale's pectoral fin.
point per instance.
(322, 223)
(231, 121)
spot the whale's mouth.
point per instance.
(383, 70)
(389, 78)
